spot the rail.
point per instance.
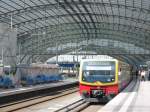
(74, 107)
(36, 100)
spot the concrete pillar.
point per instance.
(8, 45)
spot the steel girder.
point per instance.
(120, 20)
(124, 27)
(133, 20)
(135, 58)
(75, 4)
(54, 6)
(129, 40)
(142, 40)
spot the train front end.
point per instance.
(98, 80)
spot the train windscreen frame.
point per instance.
(102, 71)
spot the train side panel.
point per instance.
(124, 75)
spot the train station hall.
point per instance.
(74, 55)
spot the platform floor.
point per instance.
(6, 92)
(135, 99)
(141, 102)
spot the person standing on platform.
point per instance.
(143, 73)
(136, 74)
(149, 75)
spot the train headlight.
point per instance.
(112, 79)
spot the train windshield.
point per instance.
(99, 71)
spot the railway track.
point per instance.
(81, 106)
(74, 107)
(93, 107)
(35, 92)
(36, 100)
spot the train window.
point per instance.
(98, 71)
(101, 75)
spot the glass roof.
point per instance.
(124, 21)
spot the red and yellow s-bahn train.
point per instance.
(100, 80)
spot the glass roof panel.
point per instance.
(119, 19)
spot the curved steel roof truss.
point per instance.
(65, 21)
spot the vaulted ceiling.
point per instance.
(115, 27)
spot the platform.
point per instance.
(7, 92)
(135, 98)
